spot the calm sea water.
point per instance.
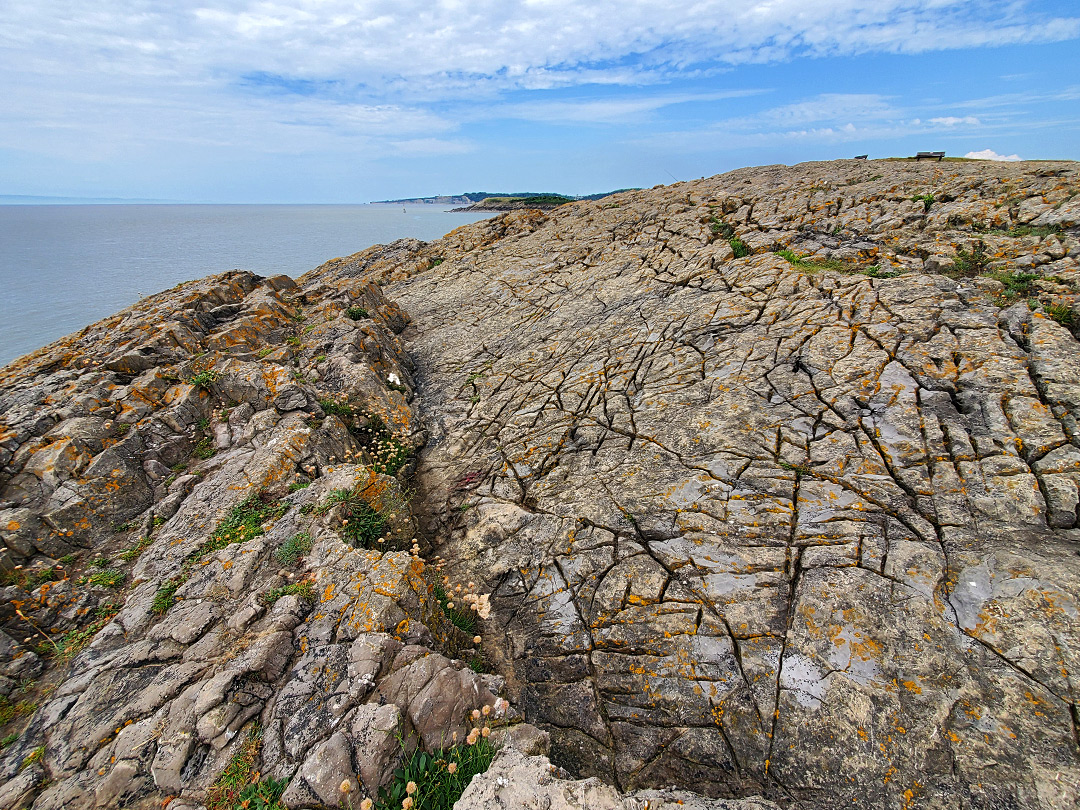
(65, 266)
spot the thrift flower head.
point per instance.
(410, 789)
(452, 767)
(366, 804)
(405, 805)
(346, 786)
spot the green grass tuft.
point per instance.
(293, 549)
(302, 589)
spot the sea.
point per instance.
(63, 267)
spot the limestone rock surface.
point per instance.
(773, 477)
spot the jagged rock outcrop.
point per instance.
(209, 486)
(773, 480)
(800, 524)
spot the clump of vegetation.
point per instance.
(165, 597)
(810, 265)
(874, 271)
(463, 620)
(75, 641)
(204, 448)
(388, 453)
(799, 469)
(9, 711)
(240, 775)
(127, 555)
(739, 247)
(1019, 231)
(204, 379)
(356, 313)
(338, 408)
(435, 781)
(264, 795)
(293, 549)
(926, 199)
(719, 228)
(34, 757)
(10, 739)
(105, 578)
(1061, 313)
(302, 589)
(243, 522)
(1017, 285)
(361, 525)
(969, 263)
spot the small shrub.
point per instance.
(320, 359)
(356, 313)
(302, 589)
(262, 353)
(100, 562)
(296, 486)
(10, 739)
(739, 247)
(293, 341)
(293, 549)
(204, 379)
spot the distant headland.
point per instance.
(500, 200)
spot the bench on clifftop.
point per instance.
(929, 155)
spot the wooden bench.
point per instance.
(929, 155)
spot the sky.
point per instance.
(344, 101)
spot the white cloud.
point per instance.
(952, 120)
(515, 44)
(990, 154)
